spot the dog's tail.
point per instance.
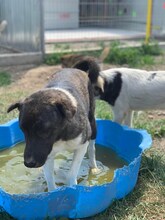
(90, 66)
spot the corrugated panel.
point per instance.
(24, 29)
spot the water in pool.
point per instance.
(16, 178)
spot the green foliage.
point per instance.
(5, 79)
(156, 127)
(153, 165)
(53, 59)
(150, 49)
(61, 47)
(123, 56)
(133, 57)
(147, 60)
(103, 110)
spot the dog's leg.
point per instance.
(128, 118)
(48, 169)
(91, 147)
(92, 156)
(118, 116)
(76, 163)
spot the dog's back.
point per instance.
(141, 89)
(75, 81)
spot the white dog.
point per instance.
(128, 90)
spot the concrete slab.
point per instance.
(90, 34)
(20, 59)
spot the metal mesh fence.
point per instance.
(22, 21)
(123, 14)
(113, 13)
(87, 20)
(84, 20)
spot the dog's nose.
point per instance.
(30, 162)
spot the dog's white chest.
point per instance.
(69, 145)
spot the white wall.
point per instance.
(61, 14)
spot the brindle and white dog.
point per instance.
(59, 117)
(126, 89)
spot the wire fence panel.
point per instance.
(23, 28)
(158, 18)
(22, 21)
(124, 14)
(88, 20)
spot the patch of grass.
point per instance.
(55, 58)
(147, 201)
(103, 110)
(156, 127)
(61, 47)
(151, 48)
(133, 57)
(7, 98)
(120, 56)
(5, 79)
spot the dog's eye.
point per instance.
(42, 129)
(43, 133)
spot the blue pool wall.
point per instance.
(79, 201)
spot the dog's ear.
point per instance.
(67, 111)
(13, 106)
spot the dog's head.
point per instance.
(42, 118)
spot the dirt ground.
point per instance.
(31, 78)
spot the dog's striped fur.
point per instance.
(56, 118)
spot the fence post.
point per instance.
(149, 21)
(42, 28)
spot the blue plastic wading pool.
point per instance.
(79, 201)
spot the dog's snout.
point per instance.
(30, 162)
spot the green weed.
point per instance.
(133, 57)
(5, 79)
(151, 48)
(53, 59)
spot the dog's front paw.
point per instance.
(51, 187)
(95, 170)
(71, 181)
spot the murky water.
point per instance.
(16, 178)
